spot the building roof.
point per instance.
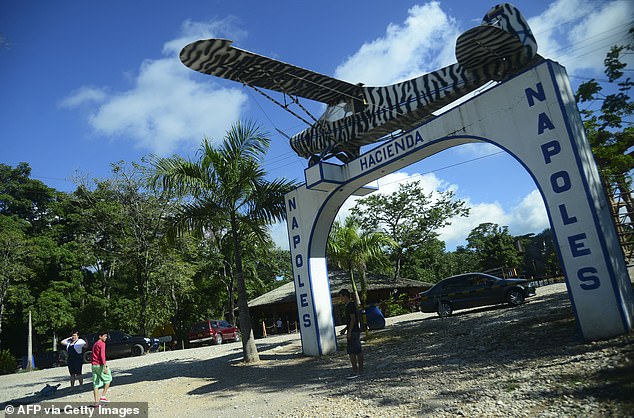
(338, 280)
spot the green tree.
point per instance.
(228, 185)
(264, 264)
(124, 224)
(494, 246)
(540, 256)
(409, 216)
(351, 249)
(28, 199)
(430, 262)
(607, 120)
(462, 260)
(13, 255)
(54, 310)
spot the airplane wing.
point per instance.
(219, 58)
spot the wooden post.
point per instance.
(263, 329)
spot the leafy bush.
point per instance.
(394, 306)
(7, 362)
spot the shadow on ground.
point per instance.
(540, 333)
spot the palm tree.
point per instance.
(226, 186)
(351, 250)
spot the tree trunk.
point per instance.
(355, 292)
(397, 265)
(1, 318)
(4, 288)
(232, 302)
(249, 349)
(364, 287)
(143, 301)
(29, 348)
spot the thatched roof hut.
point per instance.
(281, 302)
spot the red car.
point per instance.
(214, 330)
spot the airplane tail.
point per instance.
(503, 42)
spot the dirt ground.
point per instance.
(496, 361)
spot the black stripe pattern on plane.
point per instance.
(390, 108)
(503, 40)
(495, 50)
(219, 58)
(499, 47)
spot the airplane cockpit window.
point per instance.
(342, 109)
(337, 111)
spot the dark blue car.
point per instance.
(471, 290)
(120, 344)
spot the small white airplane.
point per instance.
(357, 115)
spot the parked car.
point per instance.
(471, 290)
(120, 344)
(214, 330)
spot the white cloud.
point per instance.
(477, 150)
(386, 185)
(192, 30)
(390, 184)
(167, 108)
(578, 33)
(456, 233)
(84, 95)
(529, 215)
(423, 43)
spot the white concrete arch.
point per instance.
(534, 118)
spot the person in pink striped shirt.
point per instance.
(101, 375)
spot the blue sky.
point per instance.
(85, 84)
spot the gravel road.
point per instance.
(497, 361)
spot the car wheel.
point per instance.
(137, 350)
(444, 309)
(238, 336)
(218, 339)
(87, 356)
(515, 297)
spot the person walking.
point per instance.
(353, 334)
(101, 373)
(74, 348)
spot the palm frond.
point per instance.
(268, 204)
(245, 140)
(177, 175)
(195, 218)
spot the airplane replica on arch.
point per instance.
(358, 115)
(530, 113)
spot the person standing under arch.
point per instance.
(353, 334)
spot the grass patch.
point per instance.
(511, 385)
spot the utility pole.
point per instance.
(29, 355)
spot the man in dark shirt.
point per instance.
(353, 334)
